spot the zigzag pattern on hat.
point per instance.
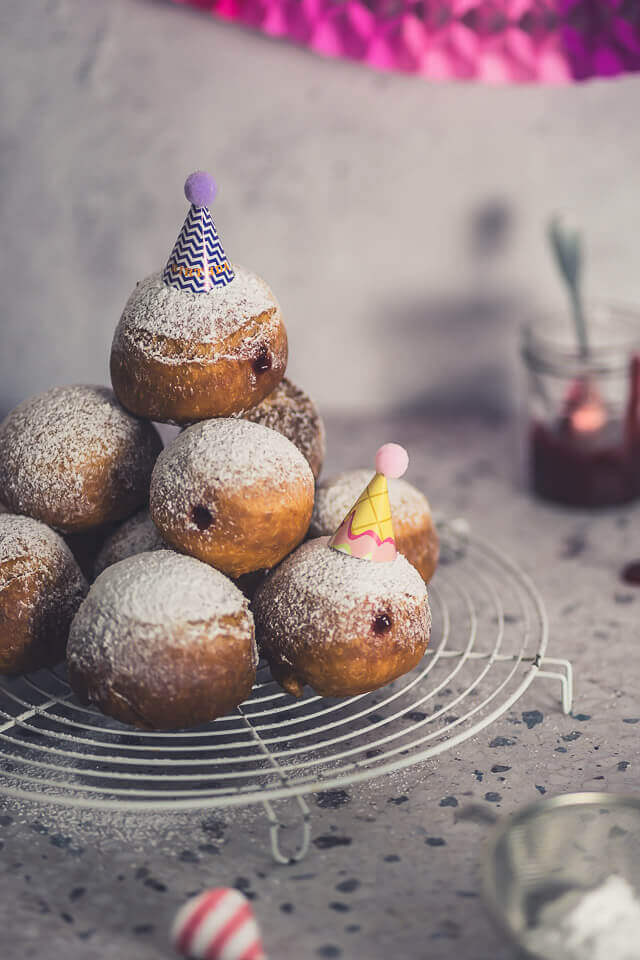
(198, 261)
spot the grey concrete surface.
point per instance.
(393, 867)
(400, 223)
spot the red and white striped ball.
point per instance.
(217, 925)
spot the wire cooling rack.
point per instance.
(488, 644)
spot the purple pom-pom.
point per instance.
(200, 188)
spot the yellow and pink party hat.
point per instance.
(367, 530)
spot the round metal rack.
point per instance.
(488, 644)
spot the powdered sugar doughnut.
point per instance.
(138, 534)
(180, 356)
(232, 493)
(415, 533)
(73, 458)
(163, 641)
(292, 412)
(41, 588)
(342, 625)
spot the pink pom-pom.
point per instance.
(392, 460)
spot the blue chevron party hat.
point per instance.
(198, 261)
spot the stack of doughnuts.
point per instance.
(197, 552)
(72, 460)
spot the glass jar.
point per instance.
(583, 410)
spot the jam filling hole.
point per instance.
(382, 624)
(202, 517)
(263, 361)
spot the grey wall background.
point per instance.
(399, 223)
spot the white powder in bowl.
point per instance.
(602, 924)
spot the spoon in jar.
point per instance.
(566, 245)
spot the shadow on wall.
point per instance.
(454, 353)
(462, 346)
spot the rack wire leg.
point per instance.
(274, 824)
(274, 831)
(566, 678)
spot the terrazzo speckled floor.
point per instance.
(393, 866)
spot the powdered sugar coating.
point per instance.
(158, 317)
(337, 494)
(138, 534)
(63, 449)
(226, 453)
(292, 412)
(35, 617)
(319, 598)
(315, 569)
(148, 643)
(158, 589)
(22, 538)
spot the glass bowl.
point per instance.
(541, 861)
